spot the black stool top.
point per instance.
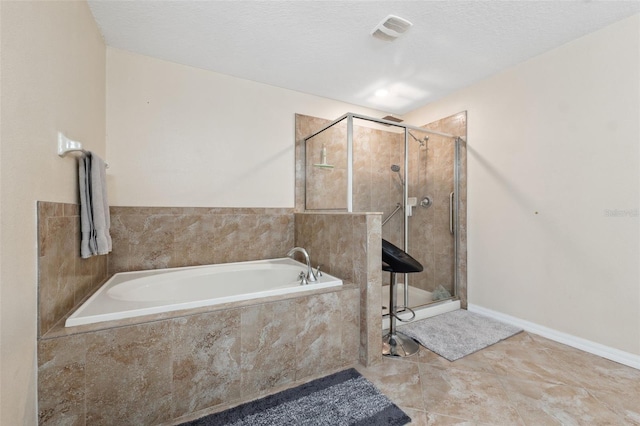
(397, 260)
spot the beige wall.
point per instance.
(182, 136)
(557, 135)
(52, 79)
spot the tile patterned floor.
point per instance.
(524, 380)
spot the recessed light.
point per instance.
(381, 93)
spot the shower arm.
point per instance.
(420, 141)
(398, 207)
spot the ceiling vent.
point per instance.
(391, 28)
(392, 118)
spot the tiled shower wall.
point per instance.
(376, 188)
(326, 186)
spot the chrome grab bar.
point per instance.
(398, 207)
(451, 218)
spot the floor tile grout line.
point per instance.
(512, 403)
(604, 403)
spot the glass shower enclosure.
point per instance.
(410, 174)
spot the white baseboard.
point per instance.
(607, 352)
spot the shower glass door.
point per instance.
(431, 217)
(410, 174)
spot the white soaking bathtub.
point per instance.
(132, 294)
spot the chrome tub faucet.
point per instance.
(311, 276)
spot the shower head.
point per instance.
(422, 141)
(396, 168)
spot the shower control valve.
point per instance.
(426, 202)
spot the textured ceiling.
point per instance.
(325, 48)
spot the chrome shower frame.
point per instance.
(405, 195)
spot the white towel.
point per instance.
(94, 208)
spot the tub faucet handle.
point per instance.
(318, 271)
(303, 278)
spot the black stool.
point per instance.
(397, 261)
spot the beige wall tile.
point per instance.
(370, 295)
(268, 349)
(352, 245)
(319, 336)
(128, 375)
(64, 278)
(61, 381)
(205, 360)
(350, 314)
(162, 237)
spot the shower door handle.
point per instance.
(451, 218)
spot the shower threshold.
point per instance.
(421, 302)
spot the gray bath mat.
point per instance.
(344, 398)
(459, 333)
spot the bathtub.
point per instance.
(132, 294)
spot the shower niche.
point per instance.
(415, 176)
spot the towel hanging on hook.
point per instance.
(66, 145)
(94, 208)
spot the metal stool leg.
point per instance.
(396, 343)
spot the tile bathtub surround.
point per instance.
(148, 238)
(167, 237)
(176, 366)
(64, 278)
(155, 372)
(348, 245)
